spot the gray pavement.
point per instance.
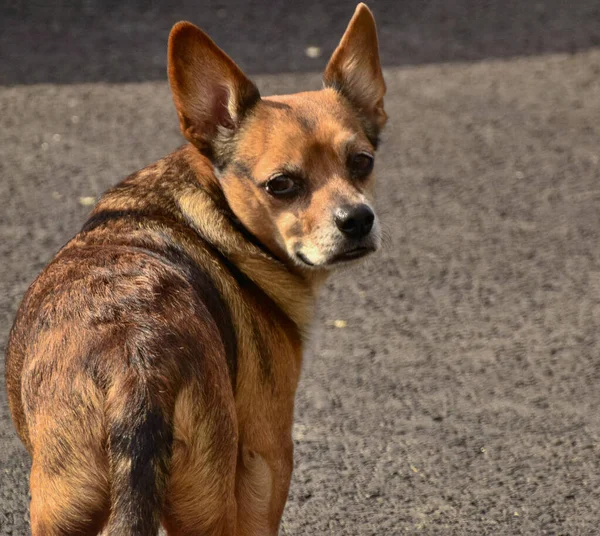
(459, 395)
(71, 41)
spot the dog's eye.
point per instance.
(361, 164)
(282, 185)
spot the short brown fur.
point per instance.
(152, 366)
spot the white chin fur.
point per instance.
(325, 246)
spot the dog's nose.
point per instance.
(355, 221)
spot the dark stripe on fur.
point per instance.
(308, 124)
(241, 228)
(106, 216)
(263, 355)
(245, 283)
(139, 443)
(241, 169)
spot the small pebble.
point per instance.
(313, 52)
(87, 201)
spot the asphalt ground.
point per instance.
(452, 383)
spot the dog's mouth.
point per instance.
(351, 255)
(346, 256)
(304, 259)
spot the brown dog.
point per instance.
(152, 366)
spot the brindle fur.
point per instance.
(152, 366)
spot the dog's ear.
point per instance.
(210, 91)
(355, 70)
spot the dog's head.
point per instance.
(297, 170)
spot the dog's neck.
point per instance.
(206, 209)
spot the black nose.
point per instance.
(355, 221)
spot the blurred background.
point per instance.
(451, 386)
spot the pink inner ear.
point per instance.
(220, 111)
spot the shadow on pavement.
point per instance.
(68, 41)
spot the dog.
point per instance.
(152, 366)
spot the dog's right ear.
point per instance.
(210, 91)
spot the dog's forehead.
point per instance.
(314, 113)
(322, 102)
(291, 127)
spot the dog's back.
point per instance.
(120, 324)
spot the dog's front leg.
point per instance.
(263, 480)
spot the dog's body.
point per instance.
(152, 366)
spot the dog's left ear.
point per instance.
(211, 93)
(355, 70)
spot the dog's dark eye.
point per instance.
(282, 185)
(361, 164)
